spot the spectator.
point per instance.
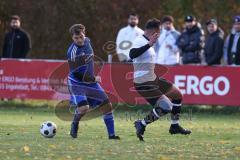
(232, 44)
(167, 50)
(213, 49)
(126, 36)
(16, 42)
(191, 41)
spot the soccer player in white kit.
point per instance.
(160, 93)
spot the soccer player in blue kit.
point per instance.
(86, 93)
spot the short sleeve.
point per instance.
(138, 42)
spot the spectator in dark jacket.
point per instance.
(16, 42)
(232, 44)
(191, 42)
(213, 49)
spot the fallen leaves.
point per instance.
(237, 149)
(70, 148)
(224, 142)
(26, 149)
(164, 158)
(52, 146)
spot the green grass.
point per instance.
(216, 135)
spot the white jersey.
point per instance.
(125, 38)
(144, 64)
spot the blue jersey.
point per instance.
(80, 59)
(82, 86)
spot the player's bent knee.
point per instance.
(164, 103)
(83, 109)
(106, 108)
(178, 93)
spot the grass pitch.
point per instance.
(216, 135)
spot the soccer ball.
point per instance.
(48, 129)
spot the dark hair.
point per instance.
(133, 14)
(167, 18)
(15, 17)
(153, 24)
(77, 29)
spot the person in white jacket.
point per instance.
(166, 48)
(126, 36)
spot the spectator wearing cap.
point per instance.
(16, 42)
(191, 42)
(167, 50)
(213, 49)
(232, 44)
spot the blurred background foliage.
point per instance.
(47, 21)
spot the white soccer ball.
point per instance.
(48, 129)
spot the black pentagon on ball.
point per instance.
(49, 124)
(54, 131)
(46, 132)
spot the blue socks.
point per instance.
(109, 122)
(77, 116)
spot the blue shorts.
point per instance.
(91, 94)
